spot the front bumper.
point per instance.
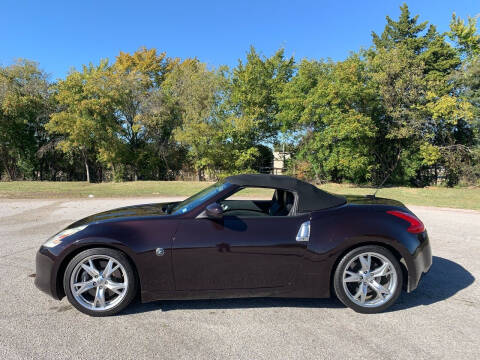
(46, 273)
(421, 261)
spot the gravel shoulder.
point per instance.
(440, 320)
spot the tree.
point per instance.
(253, 94)
(465, 35)
(25, 104)
(86, 119)
(452, 114)
(465, 157)
(405, 31)
(398, 76)
(161, 116)
(428, 99)
(194, 93)
(133, 78)
(390, 112)
(107, 114)
(334, 105)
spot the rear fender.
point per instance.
(333, 233)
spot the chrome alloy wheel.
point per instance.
(99, 282)
(370, 280)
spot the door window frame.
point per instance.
(292, 213)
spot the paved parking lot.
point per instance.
(440, 320)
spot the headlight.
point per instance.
(57, 239)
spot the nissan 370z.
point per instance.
(301, 242)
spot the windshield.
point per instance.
(198, 198)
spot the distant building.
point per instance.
(279, 162)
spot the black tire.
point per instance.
(338, 279)
(117, 256)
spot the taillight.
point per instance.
(416, 226)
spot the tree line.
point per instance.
(404, 111)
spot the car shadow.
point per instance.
(444, 280)
(226, 304)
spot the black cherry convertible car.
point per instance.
(303, 242)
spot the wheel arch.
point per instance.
(66, 260)
(389, 247)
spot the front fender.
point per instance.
(138, 239)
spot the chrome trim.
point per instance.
(304, 232)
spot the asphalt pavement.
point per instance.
(439, 320)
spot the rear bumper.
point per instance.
(421, 262)
(46, 274)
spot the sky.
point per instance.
(64, 34)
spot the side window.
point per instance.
(251, 193)
(250, 201)
(282, 203)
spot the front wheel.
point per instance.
(368, 279)
(100, 282)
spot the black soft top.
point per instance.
(310, 197)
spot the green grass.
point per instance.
(466, 198)
(77, 189)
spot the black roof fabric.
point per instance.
(309, 196)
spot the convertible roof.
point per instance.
(309, 196)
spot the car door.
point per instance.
(237, 252)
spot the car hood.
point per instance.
(124, 213)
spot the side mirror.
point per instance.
(214, 211)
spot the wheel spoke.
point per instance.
(83, 286)
(383, 270)
(365, 262)
(90, 269)
(364, 293)
(117, 288)
(352, 277)
(109, 269)
(361, 293)
(379, 289)
(99, 298)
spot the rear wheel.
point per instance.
(100, 282)
(368, 279)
